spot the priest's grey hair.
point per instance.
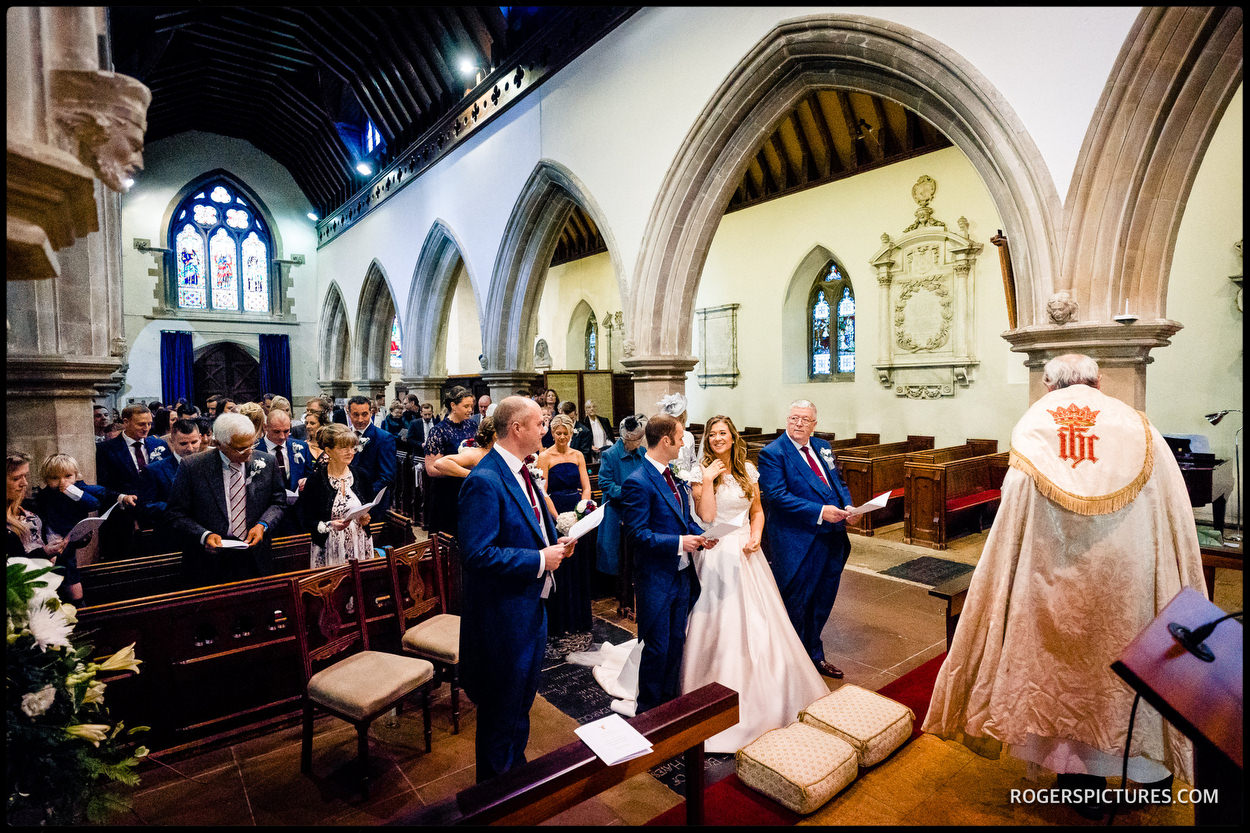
(1070, 369)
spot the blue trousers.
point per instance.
(664, 601)
(812, 590)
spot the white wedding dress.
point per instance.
(740, 636)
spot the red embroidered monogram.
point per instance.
(1073, 444)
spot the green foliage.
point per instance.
(63, 753)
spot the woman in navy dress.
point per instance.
(444, 439)
(568, 483)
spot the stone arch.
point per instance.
(575, 340)
(524, 257)
(374, 315)
(334, 343)
(820, 52)
(429, 300)
(1173, 79)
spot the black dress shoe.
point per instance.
(829, 670)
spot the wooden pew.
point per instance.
(856, 441)
(221, 660)
(938, 493)
(872, 469)
(546, 786)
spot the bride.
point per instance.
(739, 634)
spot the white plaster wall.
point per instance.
(754, 255)
(464, 330)
(1201, 372)
(169, 165)
(616, 117)
(589, 279)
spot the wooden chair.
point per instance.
(435, 639)
(357, 688)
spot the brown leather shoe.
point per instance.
(829, 670)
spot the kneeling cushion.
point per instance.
(797, 766)
(873, 725)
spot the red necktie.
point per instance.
(277, 450)
(672, 484)
(139, 461)
(529, 486)
(811, 461)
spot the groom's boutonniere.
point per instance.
(827, 455)
(678, 472)
(257, 466)
(536, 474)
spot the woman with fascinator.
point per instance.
(739, 633)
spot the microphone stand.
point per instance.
(1236, 538)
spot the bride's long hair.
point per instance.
(737, 456)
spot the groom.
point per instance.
(655, 508)
(804, 530)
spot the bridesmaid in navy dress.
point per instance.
(567, 483)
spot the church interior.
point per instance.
(896, 214)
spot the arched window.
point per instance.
(397, 355)
(223, 252)
(831, 326)
(592, 343)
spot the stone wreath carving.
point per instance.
(902, 337)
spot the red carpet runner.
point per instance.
(731, 803)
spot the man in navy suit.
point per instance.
(655, 507)
(118, 463)
(293, 459)
(509, 549)
(157, 481)
(374, 464)
(804, 528)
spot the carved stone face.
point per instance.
(105, 115)
(1062, 307)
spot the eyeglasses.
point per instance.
(801, 420)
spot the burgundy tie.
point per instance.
(529, 487)
(811, 461)
(672, 484)
(139, 461)
(277, 451)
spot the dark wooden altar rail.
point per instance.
(938, 492)
(219, 659)
(1229, 558)
(954, 593)
(572, 774)
(872, 469)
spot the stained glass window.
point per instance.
(222, 254)
(592, 343)
(831, 324)
(397, 355)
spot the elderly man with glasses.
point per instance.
(806, 509)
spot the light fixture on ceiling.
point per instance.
(467, 66)
(364, 168)
(128, 182)
(313, 216)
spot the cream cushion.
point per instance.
(367, 682)
(437, 638)
(798, 766)
(873, 725)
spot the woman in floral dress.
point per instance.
(327, 498)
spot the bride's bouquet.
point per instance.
(565, 520)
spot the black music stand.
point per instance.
(1202, 699)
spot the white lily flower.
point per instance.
(37, 702)
(123, 660)
(49, 627)
(94, 732)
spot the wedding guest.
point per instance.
(314, 421)
(100, 415)
(550, 397)
(64, 500)
(293, 459)
(567, 483)
(266, 402)
(469, 455)
(254, 412)
(600, 436)
(581, 434)
(445, 438)
(25, 530)
(393, 422)
(211, 406)
(329, 494)
(687, 459)
(375, 459)
(548, 411)
(279, 403)
(614, 555)
(313, 403)
(157, 482)
(118, 463)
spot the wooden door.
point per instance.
(226, 369)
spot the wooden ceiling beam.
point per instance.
(810, 171)
(769, 183)
(475, 29)
(890, 144)
(400, 59)
(911, 135)
(424, 33)
(786, 174)
(433, 81)
(852, 127)
(833, 162)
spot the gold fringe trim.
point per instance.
(1099, 504)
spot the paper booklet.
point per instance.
(873, 505)
(718, 531)
(233, 544)
(291, 497)
(88, 525)
(586, 524)
(613, 740)
(362, 510)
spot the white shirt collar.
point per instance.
(660, 467)
(800, 446)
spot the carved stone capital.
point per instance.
(51, 203)
(336, 388)
(105, 116)
(40, 376)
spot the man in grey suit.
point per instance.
(230, 493)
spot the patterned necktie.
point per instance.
(138, 449)
(811, 461)
(238, 503)
(672, 484)
(277, 452)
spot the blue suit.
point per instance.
(503, 622)
(374, 468)
(807, 557)
(298, 458)
(117, 472)
(654, 524)
(615, 467)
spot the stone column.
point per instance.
(657, 376)
(503, 383)
(426, 388)
(371, 387)
(335, 388)
(1121, 350)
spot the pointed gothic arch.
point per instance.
(334, 342)
(529, 240)
(374, 315)
(820, 52)
(424, 323)
(575, 339)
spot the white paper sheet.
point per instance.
(718, 531)
(232, 544)
(291, 497)
(88, 525)
(587, 523)
(873, 505)
(73, 492)
(362, 510)
(613, 740)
